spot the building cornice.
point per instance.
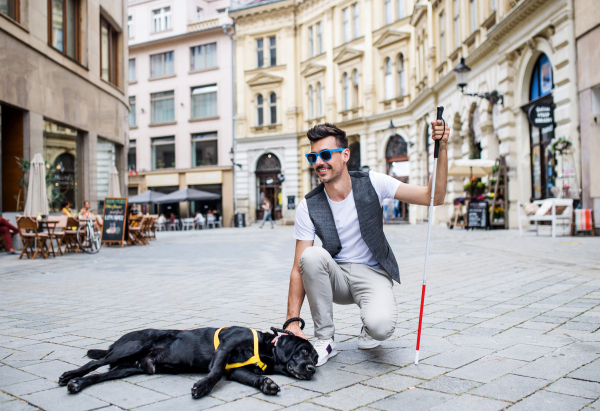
(248, 140)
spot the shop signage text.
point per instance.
(541, 115)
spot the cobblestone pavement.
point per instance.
(511, 322)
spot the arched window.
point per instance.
(311, 103)
(273, 107)
(319, 100)
(355, 87)
(346, 92)
(401, 75)
(541, 78)
(389, 83)
(259, 110)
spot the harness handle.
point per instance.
(291, 320)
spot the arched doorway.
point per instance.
(543, 173)
(398, 166)
(268, 185)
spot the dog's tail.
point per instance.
(96, 354)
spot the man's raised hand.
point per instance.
(295, 328)
(440, 132)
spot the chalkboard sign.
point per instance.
(115, 218)
(477, 215)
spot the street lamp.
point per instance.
(461, 72)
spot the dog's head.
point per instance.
(296, 357)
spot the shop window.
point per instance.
(541, 79)
(132, 117)
(131, 71)
(204, 149)
(162, 107)
(161, 19)
(162, 64)
(259, 110)
(273, 50)
(273, 108)
(10, 8)
(60, 154)
(203, 57)
(163, 153)
(108, 52)
(204, 101)
(132, 156)
(64, 26)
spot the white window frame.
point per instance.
(387, 12)
(319, 38)
(206, 89)
(311, 103)
(311, 51)
(355, 20)
(161, 21)
(388, 79)
(163, 64)
(400, 9)
(129, 71)
(260, 53)
(457, 38)
(346, 25)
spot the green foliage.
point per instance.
(56, 197)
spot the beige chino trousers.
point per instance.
(327, 282)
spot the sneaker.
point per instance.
(325, 349)
(365, 341)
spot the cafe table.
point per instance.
(50, 227)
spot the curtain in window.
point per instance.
(169, 62)
(163, 107)
(156, 68)
(389, 83)
(204, 101)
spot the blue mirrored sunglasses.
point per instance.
(325, 155)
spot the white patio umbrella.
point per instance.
(37, 194)
(114, 188)
(470, 168)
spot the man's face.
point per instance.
(329, 171)
(86, 205)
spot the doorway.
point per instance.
(268, 185)
(398, 167)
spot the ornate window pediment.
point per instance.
(347, 54)
(311, 69)
(390, 37)
(264, 79)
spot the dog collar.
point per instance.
(254, 360)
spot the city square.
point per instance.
(509, 322)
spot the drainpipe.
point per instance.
(225, 30)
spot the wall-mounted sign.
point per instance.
(541, 115)
(291, 203)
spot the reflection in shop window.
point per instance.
(163, 152)
(204, 149)
(60, 154)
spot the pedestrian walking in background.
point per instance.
(396, 208)
(387, 202)
(7, 230)
(267, 207)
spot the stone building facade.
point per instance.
(365, 63)
(180, 91)
(63, 94)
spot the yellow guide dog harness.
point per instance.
(254, 360)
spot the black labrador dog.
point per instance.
(192, 351)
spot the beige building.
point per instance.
(63, 94)
(587, 32)
(180, 92)
(363, 63)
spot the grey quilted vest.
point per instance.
(370, 221)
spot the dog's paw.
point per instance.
(65, 378)
(75, 385)
(267, 386)
(200, 389)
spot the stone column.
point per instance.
(33, 134)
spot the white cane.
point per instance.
(440, 111)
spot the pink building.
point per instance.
(180, 93)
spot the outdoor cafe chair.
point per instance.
(70, 235)
(59, 232)
(174, 226)
(153, 226)
(188, 224)
(135, 233)
(219, 222)
(28, 229)
(210, 220)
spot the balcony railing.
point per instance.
(209, 23)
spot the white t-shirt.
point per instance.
(354, 248)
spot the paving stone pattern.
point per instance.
(510, 323)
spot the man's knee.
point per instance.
(379, 326)
(312, 259)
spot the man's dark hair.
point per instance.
(321, 131)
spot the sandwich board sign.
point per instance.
(114, 217)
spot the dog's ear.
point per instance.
(285, 348)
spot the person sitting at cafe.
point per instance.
(66, 209)
(199, 220)
(171, 220)
(86, 212)
(133, 212)
(7, 230)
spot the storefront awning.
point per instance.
(188, 194)
(470, 168)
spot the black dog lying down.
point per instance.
(193, 351)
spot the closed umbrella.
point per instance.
(147, 197)
(188, 194)
(114, 188)
(37, 194)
